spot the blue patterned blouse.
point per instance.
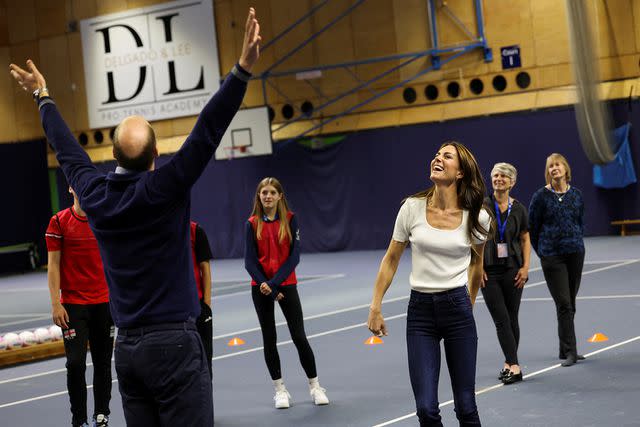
(556, 222)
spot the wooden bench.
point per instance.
(623, 223)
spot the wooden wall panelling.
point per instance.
(8, 129)
(51, 17)
(55, 66)
(635, 12)
(82, 9)
(134, 4)
(449, 33)
(4, 24)
(77, 81)
(411, 26)
(27, 118)
(374, 35)
(104, 7)
(508, 24)
(183, 125)
(22, 22)
(421, 114)
(284, 13)
(550, 32)
(613, 27)
(555, 75)
(334, 46)
(619, 67)
(225, 35)
(379, 119)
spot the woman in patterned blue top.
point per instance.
(556, 225)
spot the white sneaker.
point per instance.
(282, 399)
(319, 396)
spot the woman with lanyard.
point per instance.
(272, 252)
(556, 222)
(447, 228)
(506, 267)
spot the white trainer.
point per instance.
(319, 396)
(282, 399)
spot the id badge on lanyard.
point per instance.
(503, 249)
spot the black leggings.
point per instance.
(292, 311)
(503, 302)
(563, 274)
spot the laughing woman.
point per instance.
(446, 227)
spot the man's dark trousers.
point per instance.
(163, 376)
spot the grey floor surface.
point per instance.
(369, 385)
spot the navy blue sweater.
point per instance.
(556, 227)
(141, 220)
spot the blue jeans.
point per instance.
(431, 317)
(163, 376)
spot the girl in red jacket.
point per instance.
(272, 252)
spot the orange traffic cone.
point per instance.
(598, 337)
(235, 342)
(373, 341)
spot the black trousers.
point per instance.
(204, 324)
(292, 310)
(563, 274)
(503, 302)
(88, 323)
(163, 376)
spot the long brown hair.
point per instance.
(282, 209)
(471, 190)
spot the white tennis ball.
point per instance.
(12, 340)
(27, 338)
(56, 332)
(42, 335)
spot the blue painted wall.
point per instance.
(347, 195)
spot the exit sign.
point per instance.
(510, 57)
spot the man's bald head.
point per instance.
(134, 144)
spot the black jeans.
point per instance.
(563, 274)
(447, 316)
(204, 324)
(292, 310)
(88, 323)
(163, 376)
(503, 302)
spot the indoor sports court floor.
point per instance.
(369, 385)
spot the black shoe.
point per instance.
(571, 360)
(578, 357)
(503, 373)
(511, 378)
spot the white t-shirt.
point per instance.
(439, 258)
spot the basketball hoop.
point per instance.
(233, 152)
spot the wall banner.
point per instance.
(159, 62)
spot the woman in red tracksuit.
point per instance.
(272, 252)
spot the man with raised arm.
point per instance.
(140, 218)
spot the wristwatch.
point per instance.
(41, 91)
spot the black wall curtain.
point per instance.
(26, 201)
(347, 195)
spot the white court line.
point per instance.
(18, 322)
(344, 310)
(225, 356)
(11, 316)
(497, 386)
(317, 279)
